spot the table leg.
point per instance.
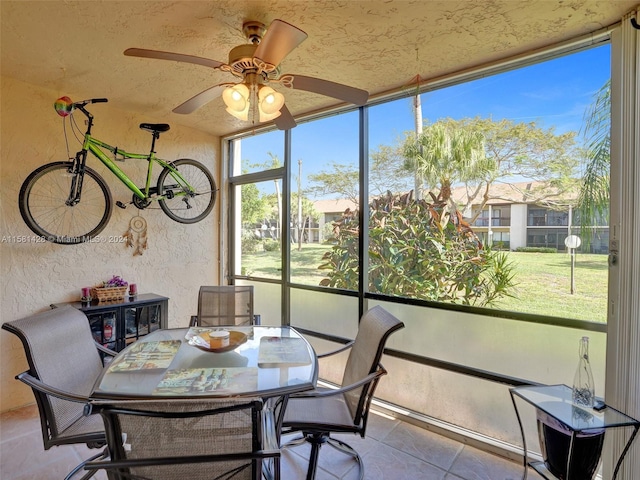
(624, 452)
(524, 440)
(570, 454)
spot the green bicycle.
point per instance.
(69, 203)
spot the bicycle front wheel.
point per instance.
(190, 202)
(44, 205)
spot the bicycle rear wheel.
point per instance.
(187, 203)
(43, 204)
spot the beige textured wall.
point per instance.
(179, 257)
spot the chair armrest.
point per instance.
(106, 350)
(33, 382)
(344, 389)
(346, 346)
(194, 321)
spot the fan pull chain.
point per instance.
(136, 235)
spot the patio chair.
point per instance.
(225, 305)
(64, 363)
(320, 413)
(198, 439)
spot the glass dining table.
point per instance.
(199, 362)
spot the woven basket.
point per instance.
(108, 294)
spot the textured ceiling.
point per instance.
(75, 47)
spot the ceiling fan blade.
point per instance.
(199, 100)
(330, 89)
(285, 121)
(279, 41)
(177, 57)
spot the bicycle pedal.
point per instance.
(121, 205)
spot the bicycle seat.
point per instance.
(155, 127)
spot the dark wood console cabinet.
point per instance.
(117, 324)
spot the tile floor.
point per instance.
(393, 450)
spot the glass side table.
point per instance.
(571, 437)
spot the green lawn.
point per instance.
(543, 280)
(544, 286)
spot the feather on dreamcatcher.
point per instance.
(136, 235)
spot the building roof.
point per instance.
(499, 194)
(518, 192)
(334, 206)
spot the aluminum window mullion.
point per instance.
(363, 241)
(285, 223)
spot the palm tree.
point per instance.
(444, 155)
(593, 201)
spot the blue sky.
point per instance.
(554, 93)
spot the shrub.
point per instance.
(328, 234)
(250, 242)
(271, 245)
(419, 250)
(536, 250)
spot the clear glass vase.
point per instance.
(583, 385)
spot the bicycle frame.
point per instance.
(94, 146)
(52, 198)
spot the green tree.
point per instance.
(254, 207)
(271, 163)
(308, 215)
(340, 181)
(510, 150)
(595, 186)
(386, 172)
(525, 150)
(445, 154)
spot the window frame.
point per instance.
(572, 46)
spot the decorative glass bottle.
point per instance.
(583, 385)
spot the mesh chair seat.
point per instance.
(320, 413)
(225, 305)
(82, 427)
(64, 364)
(196, 439)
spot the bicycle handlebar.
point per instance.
(64, 106)
(80, 106)
(92, 100)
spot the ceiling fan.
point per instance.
(257, 65)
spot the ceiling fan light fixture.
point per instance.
(236, 99)
(243, 115)
(255, 64)
(265, 117)
(269, 103)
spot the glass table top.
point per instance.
(195, 362)
(556, 401)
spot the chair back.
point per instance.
(225, 305)
(364, 358)
(178, 439)
(61, 352)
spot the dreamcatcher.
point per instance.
(136, 235)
